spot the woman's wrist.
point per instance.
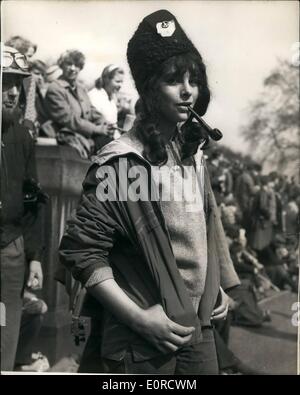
(138, 320)
(119, 304)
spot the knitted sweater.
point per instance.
(182, 207)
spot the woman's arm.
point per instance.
(84, 250)
(152, 323)
(64, 115)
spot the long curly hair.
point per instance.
(147, 118)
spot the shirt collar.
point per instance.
(64, 83)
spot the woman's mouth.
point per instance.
(183, 107)
(184, 104)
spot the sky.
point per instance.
(240, 42)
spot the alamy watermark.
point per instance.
(164, 183)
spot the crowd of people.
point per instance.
(59, 104)
(259, 213)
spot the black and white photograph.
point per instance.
(150, 189)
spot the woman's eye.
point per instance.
(172, 81)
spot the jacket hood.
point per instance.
(125, 145)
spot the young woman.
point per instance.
(153, 264)
(103, 95)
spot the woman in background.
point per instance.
(103, 95)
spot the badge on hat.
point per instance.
(166, 28)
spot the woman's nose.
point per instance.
(186, 89)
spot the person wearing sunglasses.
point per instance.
(10, 57)
(25, 50)
(19, 234)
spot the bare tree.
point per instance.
(273, 128)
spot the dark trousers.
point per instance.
(12, 282)
(198, 359)
(30, 328)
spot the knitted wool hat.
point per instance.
(157, 38)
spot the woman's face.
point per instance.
(173, 92)
(38, 77)
(30, 52)
(114, 85)
(70, 71)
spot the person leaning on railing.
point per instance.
(75, 119)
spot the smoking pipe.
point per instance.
(215, 134)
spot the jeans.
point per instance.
(12, 283)
(198, 359)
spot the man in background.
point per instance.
(20, 197)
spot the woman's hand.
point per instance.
(163, 333)
(221, 311)
(152, 323)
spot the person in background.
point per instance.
(27, 358)
(273, 258)
(41, 115)
(244, 194)
(28, 49)
(260, 225)
(20, 197)
(24, 46)
(292, 217)
(125, 109)
(216, 174)
(75, 119)
(104, 95)
(38, 71)
(53, 72)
